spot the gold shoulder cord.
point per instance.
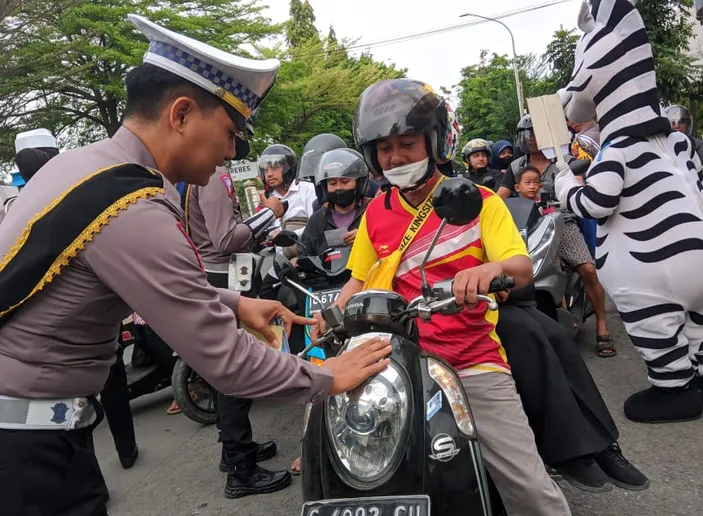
(186, 210)
(83, 238)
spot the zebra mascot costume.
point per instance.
(644, 190)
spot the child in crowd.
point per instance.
(528, 185)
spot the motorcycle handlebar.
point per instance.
(501, 284)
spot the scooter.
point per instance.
(194, 395)
(324, 276)
(405, 442)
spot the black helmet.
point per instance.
(277, 156)
(679, 116)
(404, 106)
(474, 146)
(343, 163)
(524, 126)
(313, 151)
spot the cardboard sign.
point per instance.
(549, 124)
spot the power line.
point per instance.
(438, 30)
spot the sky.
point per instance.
(437, 59)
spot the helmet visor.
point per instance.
(384, 110)
(340, 163)
(271, 161)
(308, 163)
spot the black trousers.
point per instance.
(238, 447)
(563, 404)
(115, 401)
(50, 473)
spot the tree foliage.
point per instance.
(560, 57)
(488, 100)
(301, 25)
(65, 64)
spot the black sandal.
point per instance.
(605, 347)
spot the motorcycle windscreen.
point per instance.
(525, 213)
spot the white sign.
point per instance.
(243, 170)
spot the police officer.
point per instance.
(214, 223)
(100, 234)
(33, 149)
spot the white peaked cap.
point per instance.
(242, 83)
(35, 139)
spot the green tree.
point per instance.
(65, 64)
(301, 25)
(316, 92)
(669, 27)
(559, 56)
(488, 106)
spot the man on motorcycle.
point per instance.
(312, 152)
(573, 249)
(404, 130)
(476, 154)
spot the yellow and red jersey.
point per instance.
(466, 340)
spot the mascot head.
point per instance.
(613, 78)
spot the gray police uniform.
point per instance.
(56, 348)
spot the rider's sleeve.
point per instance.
(156, 271)
(499, 235)
(363, 255)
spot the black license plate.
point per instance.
(326, 296)
(411, 505)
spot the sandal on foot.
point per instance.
(605, 347)
(295, 467)
(173, 409)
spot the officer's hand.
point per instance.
(318, 329)
(351, 368)
(257, 314)
(349, 237)
(474, 281)
(274, 204)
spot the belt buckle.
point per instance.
(83, 414)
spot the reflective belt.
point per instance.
(222, 268)
(58, 414)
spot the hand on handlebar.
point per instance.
(471, 282)
(317, 330)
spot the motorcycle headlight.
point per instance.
(452, 389)
(538, 248)
(368, 428)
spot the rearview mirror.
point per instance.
(285, 238)
(458, 201)
(284, 269)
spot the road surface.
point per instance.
(177, 474)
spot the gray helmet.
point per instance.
(313, 151)
(343, 163)
(679, 115)
(474, 146)
(279, 156)
(524, 127)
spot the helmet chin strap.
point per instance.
(431, 165)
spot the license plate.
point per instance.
(326, 296)
(411, 505)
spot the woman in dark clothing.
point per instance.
(573, 428)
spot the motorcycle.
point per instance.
(191, 392)
(403, 443)
(322, 275)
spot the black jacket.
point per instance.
(313, 237)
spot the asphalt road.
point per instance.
(176, 473)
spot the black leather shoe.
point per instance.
(264, 451)
(129, 460)
(255, 481)
(620, 471)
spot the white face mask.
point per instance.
(407, 176)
